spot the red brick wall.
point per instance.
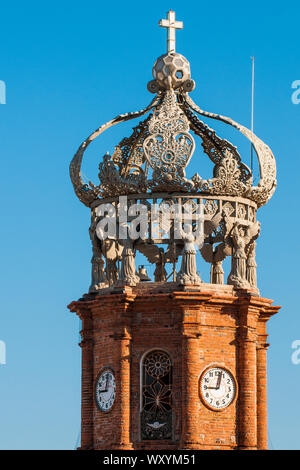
(212, 326)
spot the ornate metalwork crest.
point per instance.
(169, 147)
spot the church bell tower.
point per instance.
(174, 361)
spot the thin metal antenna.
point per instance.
(252, 109)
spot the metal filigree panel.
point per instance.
(169, 146)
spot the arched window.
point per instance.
(156, 413)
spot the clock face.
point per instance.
(105, 391)
(217, 388)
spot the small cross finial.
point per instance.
(172, 25)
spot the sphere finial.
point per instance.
(171, 70)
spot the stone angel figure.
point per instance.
(156, 255)
(213, 234)
(188, 270)
(111, 250)
(128, 274)
(98, 280)
(241, 237)
(251, 265)
(215, 256)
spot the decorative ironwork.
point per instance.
(86, 193)
(267, 165)
(169, 146)
(156, 414)
(129, 152)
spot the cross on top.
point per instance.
(172, 25)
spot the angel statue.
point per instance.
(188, 270)
(217, 273)
(213, 233)
(241, 237)
(111, 270)
(215, 257)
(111, 251)
(156, 255)
(160, 274)
(98, 274)
(128, 274)
(251, 265)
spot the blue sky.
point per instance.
(70, 66)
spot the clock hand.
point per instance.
(106, 386)
(104, 390)
(219, 381)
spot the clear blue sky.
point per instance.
(70, 66)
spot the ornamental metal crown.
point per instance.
(151, 165)
(155, 156)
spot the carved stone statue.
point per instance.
(156, 255)
(128, 274)
(217, 273)
(237, 277)
(188, 271)
(111, 271)
(251, 265)
(98, 274)
(215, 256)
(111, 250)
(241, 237)
(160, 274)
(98, 280)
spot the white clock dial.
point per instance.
(105, 391)
(217, 388)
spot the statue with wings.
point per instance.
(156, 255)
(98, 275)
(251, 265)
(188, 270)
(241, 237)
(215, 256)
(110, 248)
(212, 253)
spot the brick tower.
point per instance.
(173, 362)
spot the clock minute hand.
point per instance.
(106, 386)
(219, 381)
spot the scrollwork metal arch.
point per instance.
(86, 194)
(267, 165)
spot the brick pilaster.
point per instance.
(123, 355)
(262, 423)
(87, 389)
(247, 400)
